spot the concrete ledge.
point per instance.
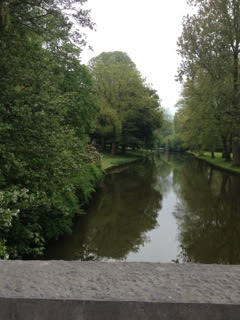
(40, 309)
(40, 290)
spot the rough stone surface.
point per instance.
(36, 309)
(129, 282)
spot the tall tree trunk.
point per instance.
(236, 152)
(4, 17)
(225, 179)
(212, 154)
(236, 134)
(226, 153)
(113, 141)
(123, 149)
(113, 148)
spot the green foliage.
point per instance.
(195, 117)
(48, 109)
(50, 106)
(129, 109)
(161, 136)
(202, 118)
(175, 143)
(210, 47)
(86, 181)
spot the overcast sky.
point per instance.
(147, 31)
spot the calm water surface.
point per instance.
(170, 208)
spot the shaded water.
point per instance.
(169, 208)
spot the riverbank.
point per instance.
(91, 176)
(218, 161)
(108, 161)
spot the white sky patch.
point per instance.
(147, 31)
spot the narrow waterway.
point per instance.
(169, 208)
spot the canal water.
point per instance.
(171, 208)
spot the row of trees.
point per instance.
(209, 111)
(51, 107)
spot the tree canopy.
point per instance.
(47, 111)
(210, 47)
(129, 109)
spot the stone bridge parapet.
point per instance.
(40, 290)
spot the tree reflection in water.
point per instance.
(208, 214)
(123, 210)
(128, 205)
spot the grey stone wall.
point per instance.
(39, 290)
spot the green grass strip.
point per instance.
(218, 161)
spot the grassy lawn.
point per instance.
(218, 161)
(108, 161)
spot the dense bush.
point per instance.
(41, 219)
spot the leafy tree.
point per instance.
(47, 111)
(161, 135)
(210, 41)
(52, 19)
(197, 118)
(129, 108)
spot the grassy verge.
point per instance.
(218, 161)
(108, 161)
